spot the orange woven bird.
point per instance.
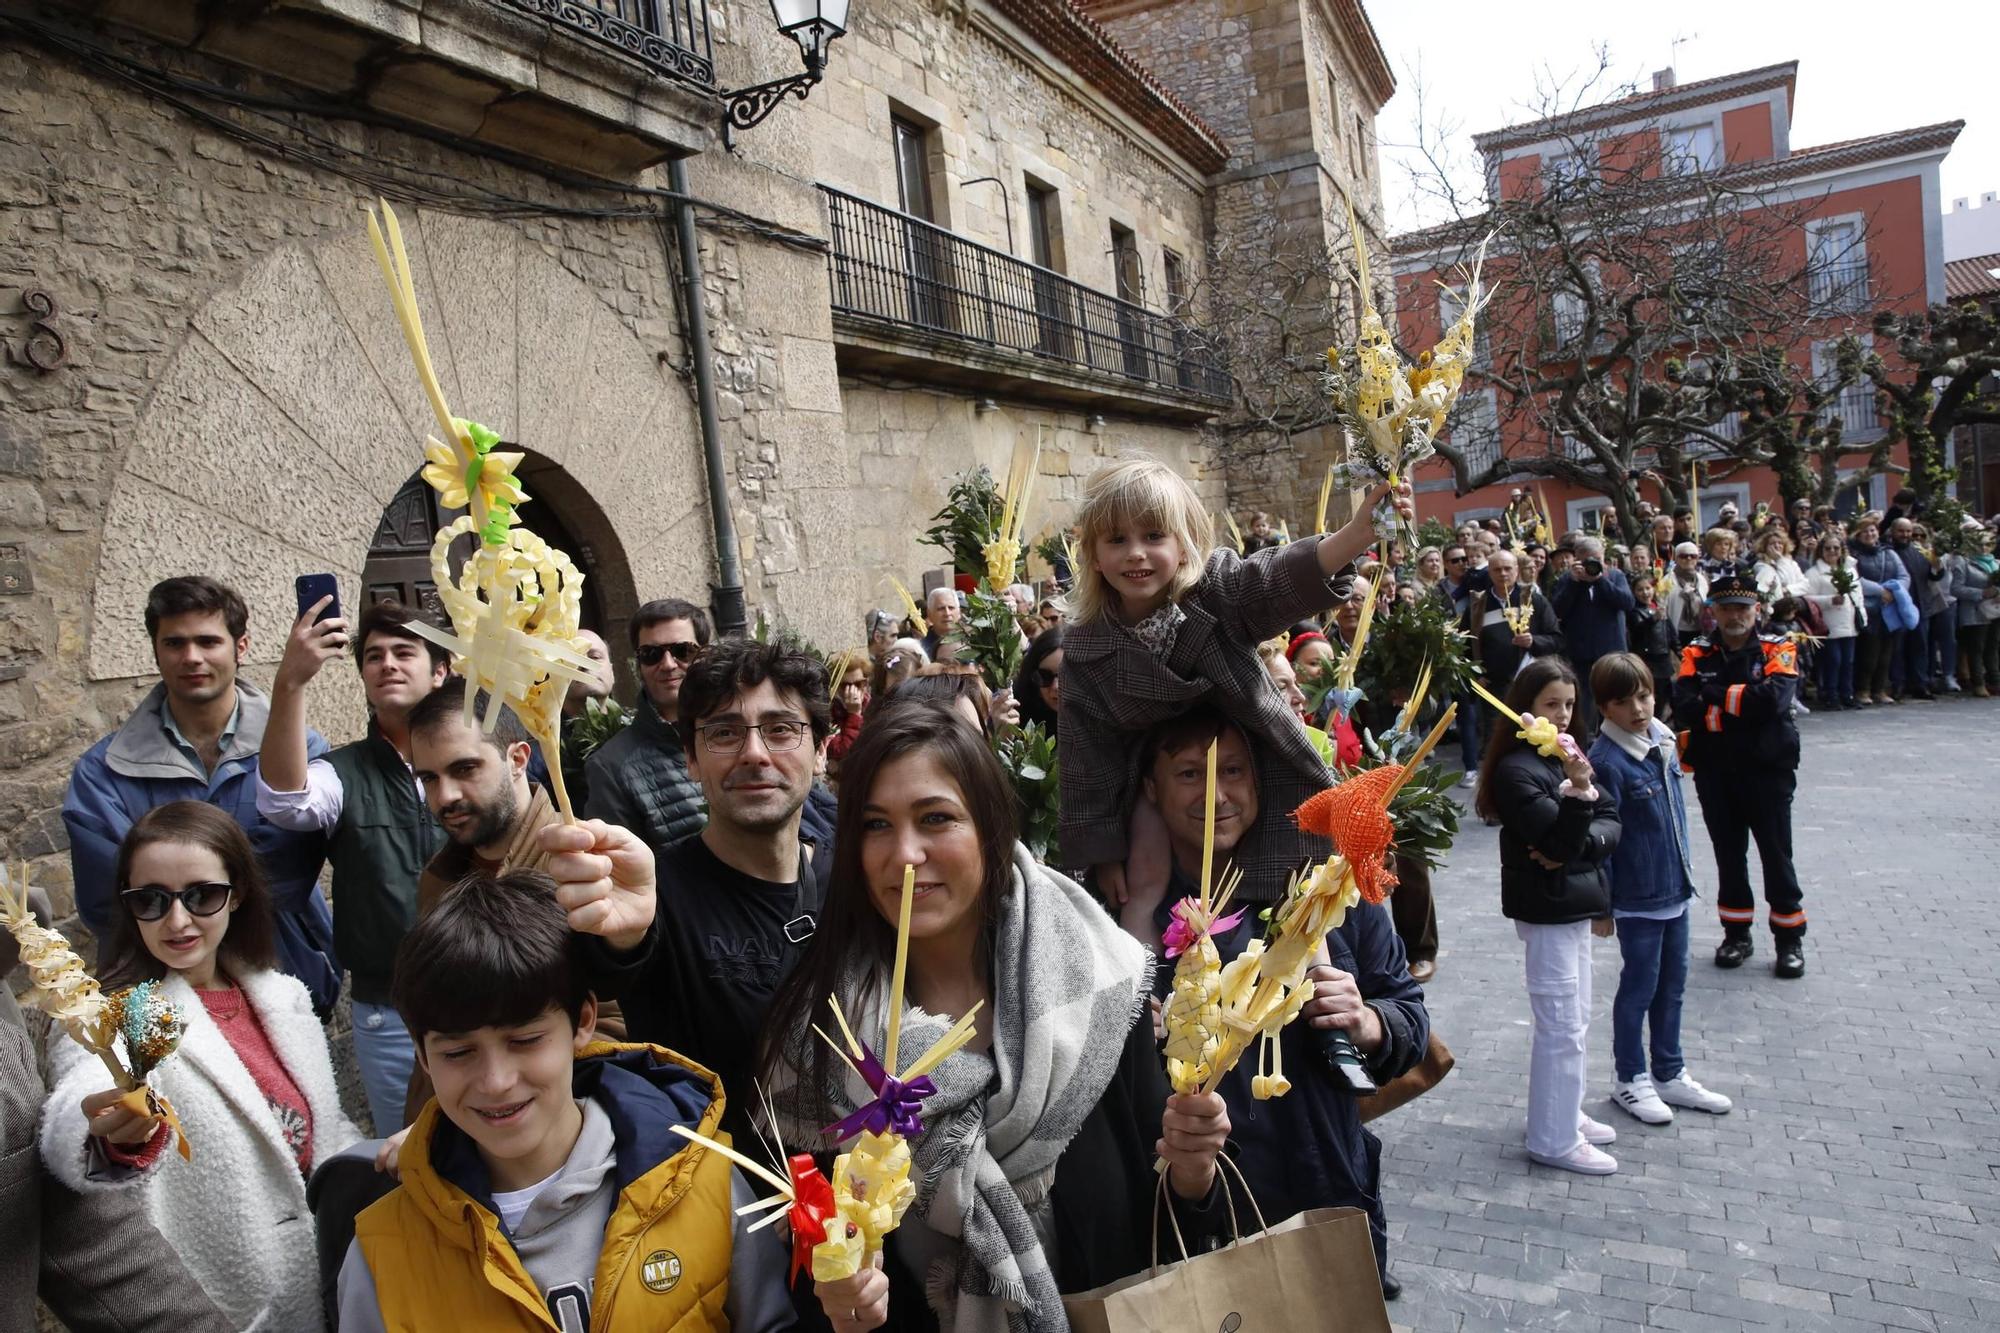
(1355, 814)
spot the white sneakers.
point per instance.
(1638, 1100)
(1584, 1160)
(1651, 1104)
(1684, 1092)
(1595, 1132)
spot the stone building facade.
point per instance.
(232, 396)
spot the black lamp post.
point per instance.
(813, 24)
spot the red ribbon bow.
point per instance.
(812, 1212)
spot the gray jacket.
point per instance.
(639, 780)
(1968, 587)
(94, 1257)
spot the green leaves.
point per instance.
(601, 720)
(1029, 756)
(990, 637)
(1405, 637)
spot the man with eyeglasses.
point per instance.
(740, 899)
(639, 778)
(195, 737)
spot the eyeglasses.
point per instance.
(1456, 559)
(649, 654)
(729, 737)
(1046, 676)
(150, 902)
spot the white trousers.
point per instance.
(1558, 971)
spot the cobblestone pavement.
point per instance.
(1856, 1185)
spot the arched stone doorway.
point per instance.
(289, 419)
(559, 511)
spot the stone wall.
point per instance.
(1276, 80)
(993, 112)
(236, 400)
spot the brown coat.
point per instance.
(452, 864)
(1114, 690)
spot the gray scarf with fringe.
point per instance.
(1067, 986)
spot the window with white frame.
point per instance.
(1688, 150)
(1837, 263)
(1474, 424)
(1571, 168)
(1569, 307)
(1856, 405)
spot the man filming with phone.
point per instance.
(365, 799)
(196, 737)
(1592, 600)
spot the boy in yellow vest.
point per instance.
(541, 1186)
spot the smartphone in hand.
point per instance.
(312, 587)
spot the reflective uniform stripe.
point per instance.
(1733, 700)
(1742, 914)
(1788, 919)
(1714, 718)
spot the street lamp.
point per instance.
(813, 24)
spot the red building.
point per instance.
(1869, 233)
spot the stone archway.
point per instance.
(290, 416)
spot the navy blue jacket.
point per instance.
(1308, 1149)
(1592, 615)
(1651, 867)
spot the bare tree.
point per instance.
(1646, 305)
(1949, 357)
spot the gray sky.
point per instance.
(1862, 70)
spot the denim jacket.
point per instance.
(1651, 867)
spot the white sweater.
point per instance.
(237, 1212)
(1843, 621)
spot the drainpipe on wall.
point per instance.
(726, 593)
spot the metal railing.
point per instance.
(1857, 411)
(1840, 287)
(902, 270)
(672, 36)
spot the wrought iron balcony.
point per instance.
(908, 276)
(670, 35)
(1840, 287)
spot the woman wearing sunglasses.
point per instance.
(1039, 686)
(252, 1082)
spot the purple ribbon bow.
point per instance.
(896, 1108)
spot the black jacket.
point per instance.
(1493, 645)
(639, 780)
(1580, 834)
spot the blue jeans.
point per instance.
(1471, 731)
(1944, 647)
(383, 1050)
(1836, 670)
(1649, 989)
(1910, 669)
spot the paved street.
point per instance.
(1856, 1186)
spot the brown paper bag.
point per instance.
(1314, 1271)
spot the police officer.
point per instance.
(1734, 696)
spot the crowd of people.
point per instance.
(536, 1004)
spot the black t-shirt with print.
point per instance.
(726, 941)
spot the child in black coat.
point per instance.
(1557, 833)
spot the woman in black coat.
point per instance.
(1557, 832)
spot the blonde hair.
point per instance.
(1715, 536)
(1125, 496)
(1271, 648)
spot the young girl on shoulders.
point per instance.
(1159, 621)
(252, 1082)
(1557, 833)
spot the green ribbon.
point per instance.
(499, 513)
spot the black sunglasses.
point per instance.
(150, 902)
(1046, 676)
(649, 654)
(1456, 559)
